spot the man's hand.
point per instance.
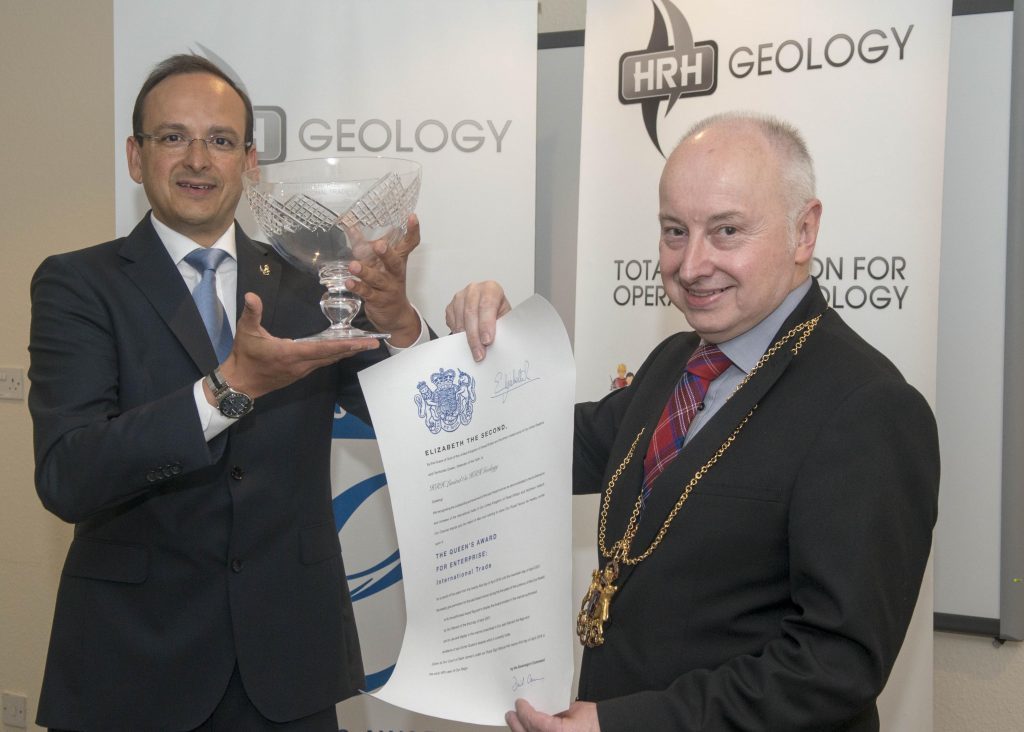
(381, 284)
(259, 363)
(580, 717)
(475, 309)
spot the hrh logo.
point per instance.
(671, 66)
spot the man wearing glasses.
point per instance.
(187, 437)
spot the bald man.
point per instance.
(769, 479)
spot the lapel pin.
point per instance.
(265, 270)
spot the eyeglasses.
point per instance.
(178, 143)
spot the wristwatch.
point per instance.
(231, 402)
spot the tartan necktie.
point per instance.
(205, 260)
(706, 363)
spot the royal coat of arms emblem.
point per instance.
(449, 404)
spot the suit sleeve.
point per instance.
(91, 455)
(860, 527)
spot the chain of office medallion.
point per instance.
(620, 549)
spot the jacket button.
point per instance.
(175, 469)
(151, 476)
(237, 473)
(236, 565)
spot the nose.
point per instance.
(696, 261)
(197, 154)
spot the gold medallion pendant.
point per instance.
(595, 610)
(596, 607)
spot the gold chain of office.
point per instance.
(595, 609)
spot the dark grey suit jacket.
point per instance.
(187, 556)
(781, 594)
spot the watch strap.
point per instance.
(230, 402)
(217, 383)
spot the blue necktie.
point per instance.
(205, 261)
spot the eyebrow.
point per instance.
(715, 218)
(725, 216)
(220, 130)
(179, 127)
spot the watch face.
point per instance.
(235, 404)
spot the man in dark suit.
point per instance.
(760, 565)
(204, 587)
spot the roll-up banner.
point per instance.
(451, 84)
(866, 84)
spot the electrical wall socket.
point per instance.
(14, 710)
(12, 384)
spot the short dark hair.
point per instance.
(188, 63)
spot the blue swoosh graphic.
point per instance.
(350, 427)
(374, 585)
(350, 500)
(363, 584)
(377, 680)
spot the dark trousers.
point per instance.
(235, 713)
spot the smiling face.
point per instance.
(728, 253)
(193, 191)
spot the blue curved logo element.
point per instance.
(383, 574)
(350, 427)
(387, 572)
(377, 680)
(377, 578)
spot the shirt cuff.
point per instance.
(210, 418)
(423, 337)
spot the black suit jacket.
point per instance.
(187, 556)
(781, 594)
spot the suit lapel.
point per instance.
(669, 485)
(259, 272)
(147, 263)
(149, 266)
(653, 389)
(627, 487)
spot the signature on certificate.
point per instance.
(518, 682)
(512, 379)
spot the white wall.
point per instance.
(56, 192)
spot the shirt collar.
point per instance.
(745, 349)
(178, 245)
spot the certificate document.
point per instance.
(478, 459)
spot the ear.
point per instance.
(251, 157)
(134, 153)
(806, 233)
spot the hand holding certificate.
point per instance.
(478, 459)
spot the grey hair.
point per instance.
(797, 166)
